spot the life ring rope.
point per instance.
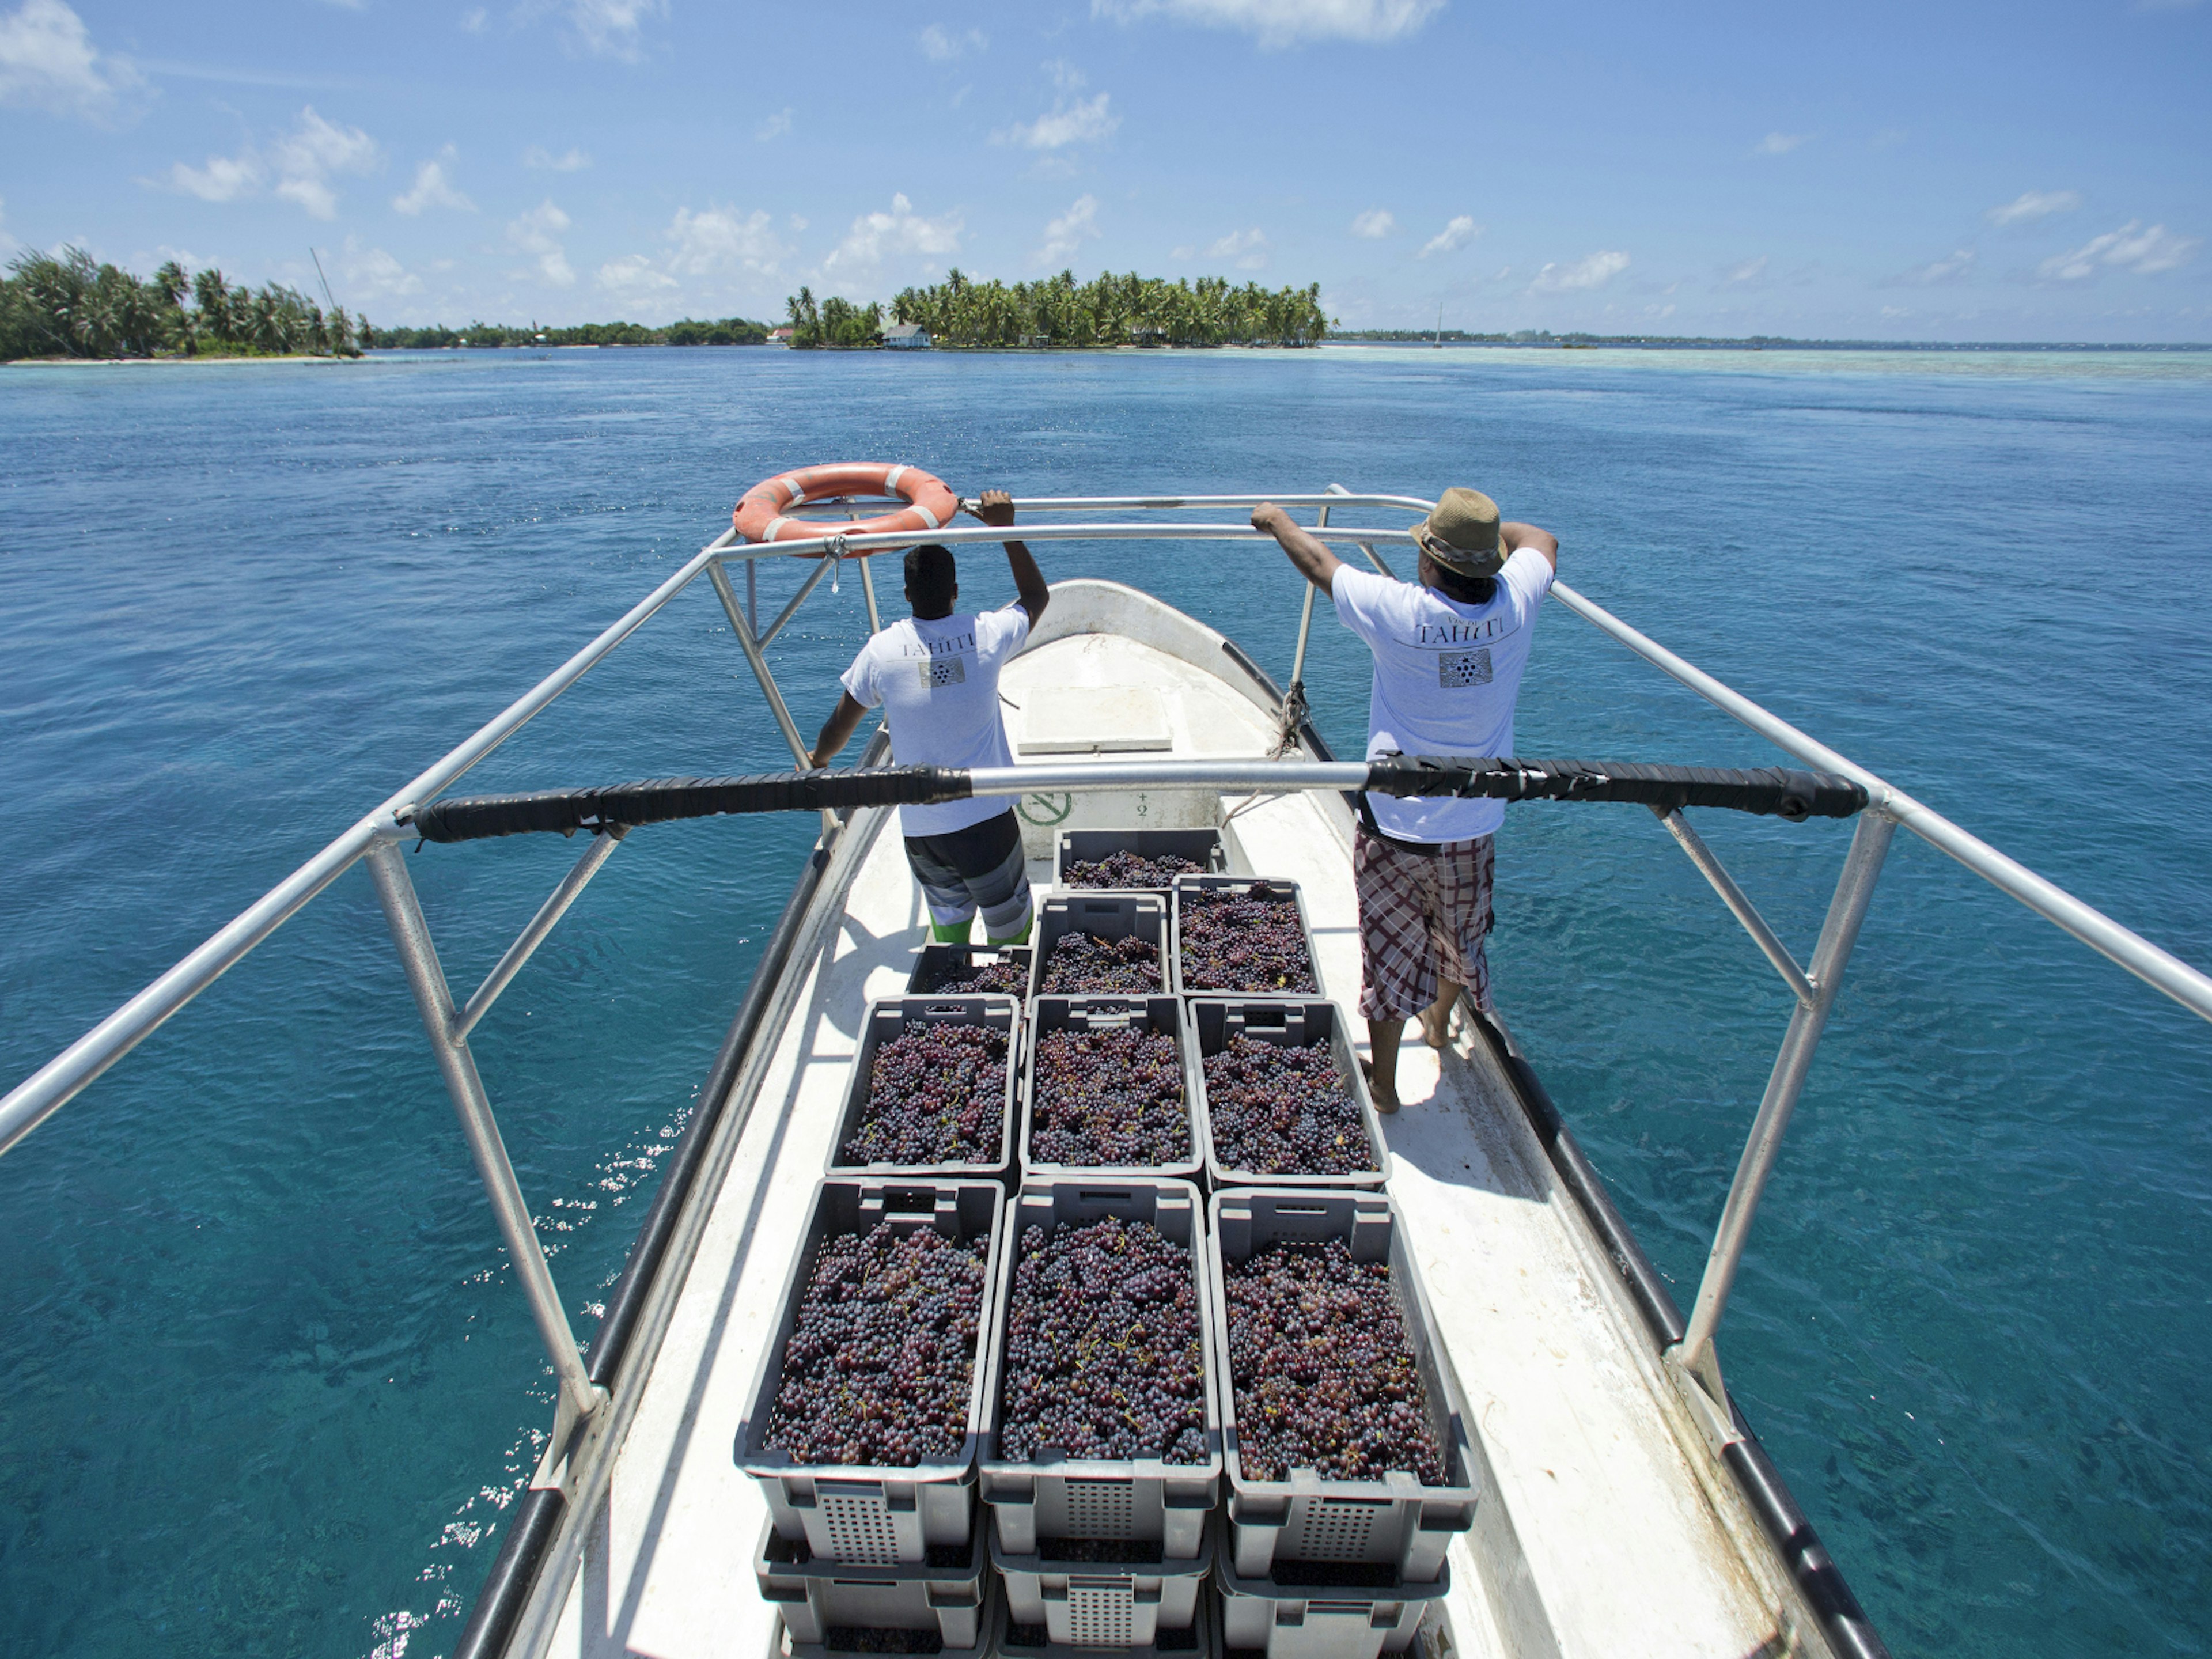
(762, 515)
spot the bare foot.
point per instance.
(1386, 1099)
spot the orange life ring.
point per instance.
(930, 502)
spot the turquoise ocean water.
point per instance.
(266, 1386)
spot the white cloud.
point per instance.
(1246, 248)
(1374, 224)
(877, 236)
(774, 127)
(614, 28)
(1941, 271)
(572, 160)
(306, 157)
(2131, 248)
(476, 19)
(538, 233)
(1749, 271)
(224, 179)
(1279, 23)
(1069, 233)
(47, 61)
(1777, 143)
(2034, 205)
(1073, 120)
(433, 189)
(303, 161)
(722, 240)
(1596, 271)
(373, 273)
(7, 243)
(1454, 236)
(634, 275)
(942, 46)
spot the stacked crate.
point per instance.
(1080, 1556)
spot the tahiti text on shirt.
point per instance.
(944, 647)
(1460, 633)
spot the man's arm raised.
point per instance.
(1308, 552)
(996, 507)
(1518, 536)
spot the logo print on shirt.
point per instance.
(952, 671)
(1456, 669)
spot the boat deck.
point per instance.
(1604, 1527)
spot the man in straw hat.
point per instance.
(1449, 652)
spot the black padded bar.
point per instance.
(1772, 790)
(658, 800)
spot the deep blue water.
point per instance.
(266, 1386)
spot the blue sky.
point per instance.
(1924, 171)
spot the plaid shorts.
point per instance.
(1418, 914)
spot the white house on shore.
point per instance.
(906, 336)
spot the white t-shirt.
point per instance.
(938, 684)
(1446, 676)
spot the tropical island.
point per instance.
(1060, 313)
(69, 305)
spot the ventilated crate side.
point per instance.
(1055, 1013)
(1279, 892)
(1397, 1521)
(1142, 1498)
(817, 1597)
(933, 962)
(989, 1618)
(1201, 847)
(1102, 915)
(1200, 1639)
(1322, 1621)
(1215, 1020)
(875, 1515)
(892, 1017)
(1113, 1604)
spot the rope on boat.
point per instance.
(1772, 791)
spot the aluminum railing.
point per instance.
(375, 836)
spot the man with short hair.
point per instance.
(936, 676)
(1448, 653)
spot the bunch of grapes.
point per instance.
(1104, 1357)
(1276, 1110)
(1323, 1376)
(1243, 942)
(1111, 1099)
(1005, 976)
(937, 1094)
(1080, 963)
(882, 1354)
(1127, 871)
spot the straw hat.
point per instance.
(1461, 534)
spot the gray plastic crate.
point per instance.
(1396, 1520)
(816, 1597)
(1102, 915)
(1141, 1498)
(1281, 892)
(1160, 1014)
(1215, 1020)
(933, 962)
(1322, 1621)
(1200, 1639)
(990, 1618)
(1201, 847)
(895, 1014)
(1111, 1604)
(872, 1515)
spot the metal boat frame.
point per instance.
(591, 1384)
